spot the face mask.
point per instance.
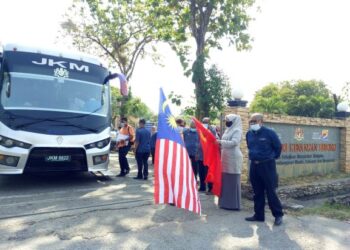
(228, 124)
(205, 125)
(193, 129)
(122, 124)
(255, 127)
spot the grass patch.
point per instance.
(311, 178)
(333, 211)
(302, 180)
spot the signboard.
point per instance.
(307, 149)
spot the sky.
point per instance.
(293, 39)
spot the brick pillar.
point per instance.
(345, 147)
(243, 112)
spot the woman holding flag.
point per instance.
(232, 161)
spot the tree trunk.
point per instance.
(198, 78)
(123, 108)
(200, 15)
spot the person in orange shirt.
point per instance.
(125, 140)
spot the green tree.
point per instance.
(174, 98)
(121, 30)
(115, 102)
(132, 107)
(300, 98)
(269, 100)
(115, 29)
(136, 108)
(217, 93)
(208, 22)
(345, 93)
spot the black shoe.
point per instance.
(201, 189)
(138, 178)
(145, 178)
(231, 209)
(127, 171)
(253, 218)
(278, 221)
(121, 175)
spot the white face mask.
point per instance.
(205, 125)
(122, 124)
(255, 127)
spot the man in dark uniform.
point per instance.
(142, 150)
(264, 147)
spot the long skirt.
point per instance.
(230, 191)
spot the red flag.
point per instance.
(174, 180)
(211, 156)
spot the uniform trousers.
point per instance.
(123, 161)
(142, 164)
(264, 179)
(203, 172)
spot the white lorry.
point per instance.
(55, 111)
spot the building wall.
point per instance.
(342, 163)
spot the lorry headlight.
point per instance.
(98, 144)
(98, 159)
(10, 143)
(9, 160)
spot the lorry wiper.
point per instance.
(65, 123)
(12, 116)
(35, 122)
(81, 127)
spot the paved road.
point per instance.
(83, 211)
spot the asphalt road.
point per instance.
(84, 211)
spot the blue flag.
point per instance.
(167, 127)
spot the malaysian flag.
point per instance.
(174, 178)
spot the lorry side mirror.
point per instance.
(7, 82)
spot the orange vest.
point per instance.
(128, 130)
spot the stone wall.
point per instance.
(343, 125)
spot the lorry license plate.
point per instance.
(57, 158)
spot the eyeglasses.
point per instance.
(251, 122)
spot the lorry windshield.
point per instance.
(53, 95)
(43, 92)
(33, 81)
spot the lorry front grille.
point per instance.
(56, 159)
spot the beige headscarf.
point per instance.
(236, 122)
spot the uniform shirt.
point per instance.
(128, 130)
(153, 140)
(143, 138)
(213, 131)
(263, 144)
(192, 143)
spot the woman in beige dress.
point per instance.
(232, 161)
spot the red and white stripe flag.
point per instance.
(174, 179)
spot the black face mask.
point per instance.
(229, 124)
